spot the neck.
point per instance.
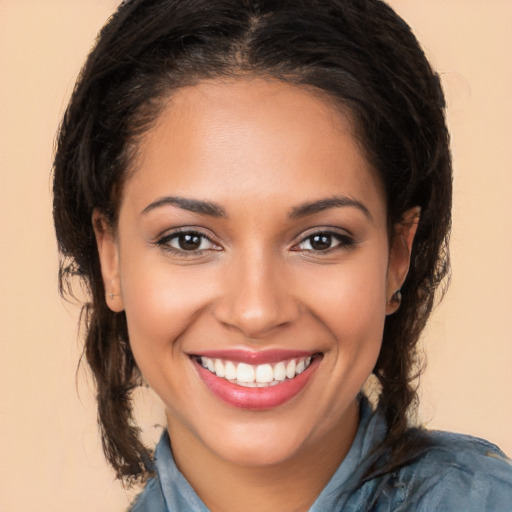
(291, 485)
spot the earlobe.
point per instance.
(400, 257)
(109, 260)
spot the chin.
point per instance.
(260, 450)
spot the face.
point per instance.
(253, 261)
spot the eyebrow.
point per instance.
(192, 205)
(214, 210)
(310, 208)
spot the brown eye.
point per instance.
(189, 241)
(321, 242)
(324, 242)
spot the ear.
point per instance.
(400, 257)
(109, 260)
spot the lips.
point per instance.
(256, 380)
(260, 375)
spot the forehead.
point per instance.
(252, 138)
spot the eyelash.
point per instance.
(344, 242)
(164, 243)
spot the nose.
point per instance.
(256, 297)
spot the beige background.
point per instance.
(50, 456)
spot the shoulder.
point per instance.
(458, 472)
(168, 489)
(466, 454)
(151, 498)
(442, 472)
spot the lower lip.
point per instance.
(256, 398)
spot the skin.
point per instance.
(258, 150)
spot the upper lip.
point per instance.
(255, 357)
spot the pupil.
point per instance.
(321, 242)
(189, 242)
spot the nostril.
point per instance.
(254, 320)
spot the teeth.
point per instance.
(279, 371)
(219, 368)
(264, 373)
(230, 370)
(261, 375)
(244, 373)
(290, 369)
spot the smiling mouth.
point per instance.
(255, 376)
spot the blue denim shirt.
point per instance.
(456, 473)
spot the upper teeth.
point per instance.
(260, 375)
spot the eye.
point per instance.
(191, 242)
(324, 241)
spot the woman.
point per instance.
(257, 195)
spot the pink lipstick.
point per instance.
(256, 380)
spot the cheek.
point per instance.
(160, 303)
(351, 300)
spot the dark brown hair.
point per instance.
(358, 52)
